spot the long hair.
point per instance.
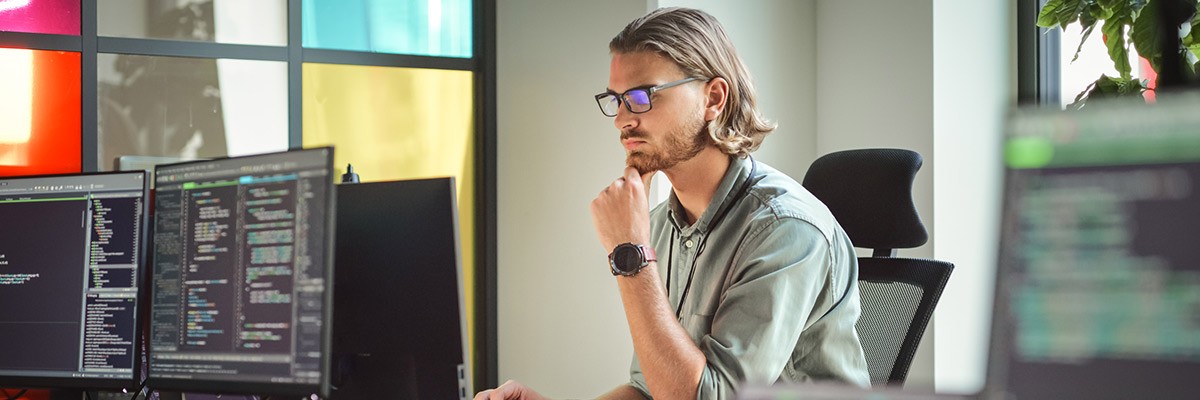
(697, 43)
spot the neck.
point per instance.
(695, 181)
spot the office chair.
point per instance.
(869, 191)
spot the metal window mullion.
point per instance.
(295, 60)
(178, 48)
(89, 102)
(40, 41)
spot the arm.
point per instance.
(623, 392)
(670, 361)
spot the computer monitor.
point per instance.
(242, 274)
(399, 320)
(1098, 285)
(72, 251)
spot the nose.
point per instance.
(625, 119)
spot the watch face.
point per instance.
(627, 258)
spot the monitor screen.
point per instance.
(242, 264)
(399, 323)
(1099, 275)
(72, 248)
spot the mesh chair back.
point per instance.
(869, 191)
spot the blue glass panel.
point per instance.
(419, 27)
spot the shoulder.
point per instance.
(778, 202)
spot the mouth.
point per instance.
(632, 144)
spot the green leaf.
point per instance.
(1144, 33)
(1111, 4)
(1098, 12)
(1069, 12)
(1086, 32)
(1114, 32)
(1048, 17)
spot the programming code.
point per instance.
(240, 266)
(69, 276)
(1105, 284)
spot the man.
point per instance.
(742, 275)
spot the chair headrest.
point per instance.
(869, 191)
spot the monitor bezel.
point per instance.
(209, 385)
(142, 279)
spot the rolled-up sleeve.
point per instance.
(779, 276)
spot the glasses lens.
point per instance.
(608, 104)
(639, 100)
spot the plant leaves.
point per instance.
(1048, 17)
(1114, 39)
(1086, 32)
(1069, 12)
(1111, 4)
(1144, 33)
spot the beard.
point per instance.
(681, 144)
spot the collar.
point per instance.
(735, 176)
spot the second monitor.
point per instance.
(242, 260)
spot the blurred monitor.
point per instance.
(242, 263)
(72, 251)
(399, 322)
(1098, 286)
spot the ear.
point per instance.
(716, 95)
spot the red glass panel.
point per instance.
(39, 112)
(40, 16)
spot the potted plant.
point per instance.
(1123, 23)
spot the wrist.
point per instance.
(628, 259)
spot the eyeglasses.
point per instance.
(637, 100)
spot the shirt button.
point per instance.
(688, 243)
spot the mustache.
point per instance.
(633, 134)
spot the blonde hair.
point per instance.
(697, 43)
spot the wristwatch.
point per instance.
(628, 259)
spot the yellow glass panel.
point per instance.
(400, 123)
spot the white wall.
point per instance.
(561, 326)
(875, 89)
(973, 65)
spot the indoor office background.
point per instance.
(498, 94)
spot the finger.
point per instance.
(484, 395)
(647, 177)
(631, 174)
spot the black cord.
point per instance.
(19, 394)
(87, 395)
(139, 390)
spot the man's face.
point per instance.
(673, 130)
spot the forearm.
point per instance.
(670, 361)
(623, 392)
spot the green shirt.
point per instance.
(761, 303)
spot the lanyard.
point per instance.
(750, 180)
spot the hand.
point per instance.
(509, 390)
(621, 213)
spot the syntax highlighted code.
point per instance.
(16, 279)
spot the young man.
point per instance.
(742, 275)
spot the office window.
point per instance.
(260, 22)
(399, 123)
(40, 16)
(417, 27)
(189, 107)
(39, 112)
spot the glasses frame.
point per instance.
(623, 98)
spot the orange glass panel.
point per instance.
(39, 112)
